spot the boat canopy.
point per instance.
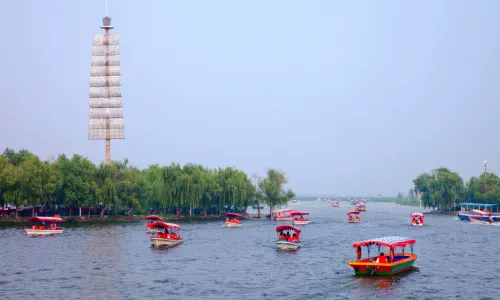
(233, 215)
(388, 241)
(282, 210)
(353, 213)
(45, 219)
(153, 217)
(416, 215)
(287, 227)
(478, 204)
(165, 225)
(299, 213)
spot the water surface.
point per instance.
(456, 260)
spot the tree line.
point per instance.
(76, 182)
(444, 189)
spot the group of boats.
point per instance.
(288, 238)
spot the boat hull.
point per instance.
(38, 232)
(159, 242)
(366, 267)
(300, 222)
(283, 218)
(414, 224)
(232, 225)
(284, 245)
(353, 221)
(360, 209)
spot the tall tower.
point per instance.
(105, 103)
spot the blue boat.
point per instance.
(467, 211)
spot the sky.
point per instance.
(345, 97)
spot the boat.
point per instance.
(360, 207)
(149, 225)
(417, 219)
(288, 241)
(294, 201)
(335, 204)
(300, 218)
(166, 238)
(282, 214)
(232, 220)
(483, 217)
(465, 214)
(383, 264)
(353, 217)
(42, 230)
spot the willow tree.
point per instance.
(272, 189)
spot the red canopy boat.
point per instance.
(299, 218)
(232, 220)
(353, 217)
(42, 230)
(168, 237)
(417, 219)
(385, 265)
(149, 225)
(288, 241)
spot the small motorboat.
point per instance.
(360, 207)
(232, 220)
(417, 219)
(149, 225)
(384, 265)
(300, 218)
(282, 214)
(42, 230)
(166, 238)
(286, 239)
(353, 217)
(335, 204)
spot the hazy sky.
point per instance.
(346, 97)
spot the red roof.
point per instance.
(415, 215)
(153, 217)
(165, 225)
(45, 219)
(287, 227)
(233, 215)
(299, 213)
(388, 241)
(353, 213)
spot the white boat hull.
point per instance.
(231, 225)
(284, 219)
(353, 221)
(413, 224)
(159, 242)
(284, 245)
(38, 232)
(300, 222)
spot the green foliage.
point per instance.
(441, 189)
(77, 182)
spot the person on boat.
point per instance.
(53, 226)
(381, 259)
(421, 220)
(357, 217)
(281, 236)
(42, 227)
(34, 227)
(227, 220)
(166, 234)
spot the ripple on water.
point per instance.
(116, 261)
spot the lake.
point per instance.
(115, 261)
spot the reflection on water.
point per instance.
(117, 261)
